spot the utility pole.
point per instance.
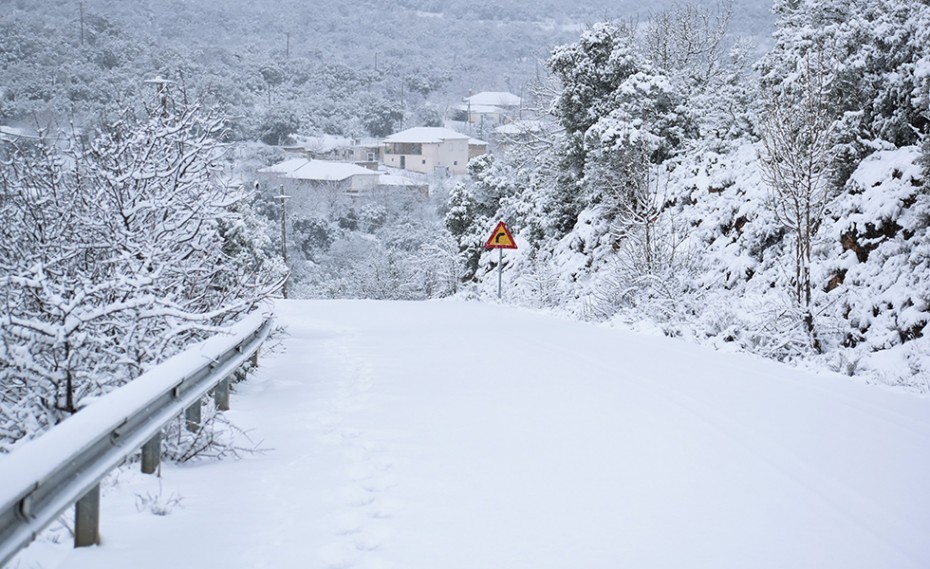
(283, 199)
(161, 87)
(403, 105)
(468, 113)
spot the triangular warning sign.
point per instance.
(501, 238)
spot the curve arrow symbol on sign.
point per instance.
(501, 238)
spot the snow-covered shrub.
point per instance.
(879, 256)
(215, 438)
(158, 503)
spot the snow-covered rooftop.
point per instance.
(399, 180)
(319, 170)
(425, 135)
(285, 167)
(519, 127)
(329, 171)
(480, 109)
(476, 142)
(494, 99)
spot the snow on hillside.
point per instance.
(724, 275)
(464, 435)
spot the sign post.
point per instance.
(500, 239)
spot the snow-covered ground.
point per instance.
(478, 436)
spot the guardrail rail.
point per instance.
(65, 465)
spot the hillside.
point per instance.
(778, 206)
(287, 65)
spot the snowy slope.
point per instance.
(463, 435)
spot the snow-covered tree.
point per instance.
(622, 93)
(687, 41)
(116, 251)
(874, 50)
(591, 72)
(390, 244)
(795, 129)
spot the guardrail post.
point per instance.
(193, 416)
(221, 394)
(151, 454)
(255, 357)
(87, 519)
(96, 446)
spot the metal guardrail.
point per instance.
(64, 466)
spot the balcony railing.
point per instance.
(403, 148)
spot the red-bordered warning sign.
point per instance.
(501, 238)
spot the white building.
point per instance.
(428, 150)
(329, 147)
(476, 147)
(490, 109)
(518, 132)
(403, 184)
(301, 173)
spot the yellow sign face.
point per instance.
(501, 238)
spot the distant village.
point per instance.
(405, 160)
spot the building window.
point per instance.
(424, 162)
(456, 163)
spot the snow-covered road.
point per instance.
(453, 435)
